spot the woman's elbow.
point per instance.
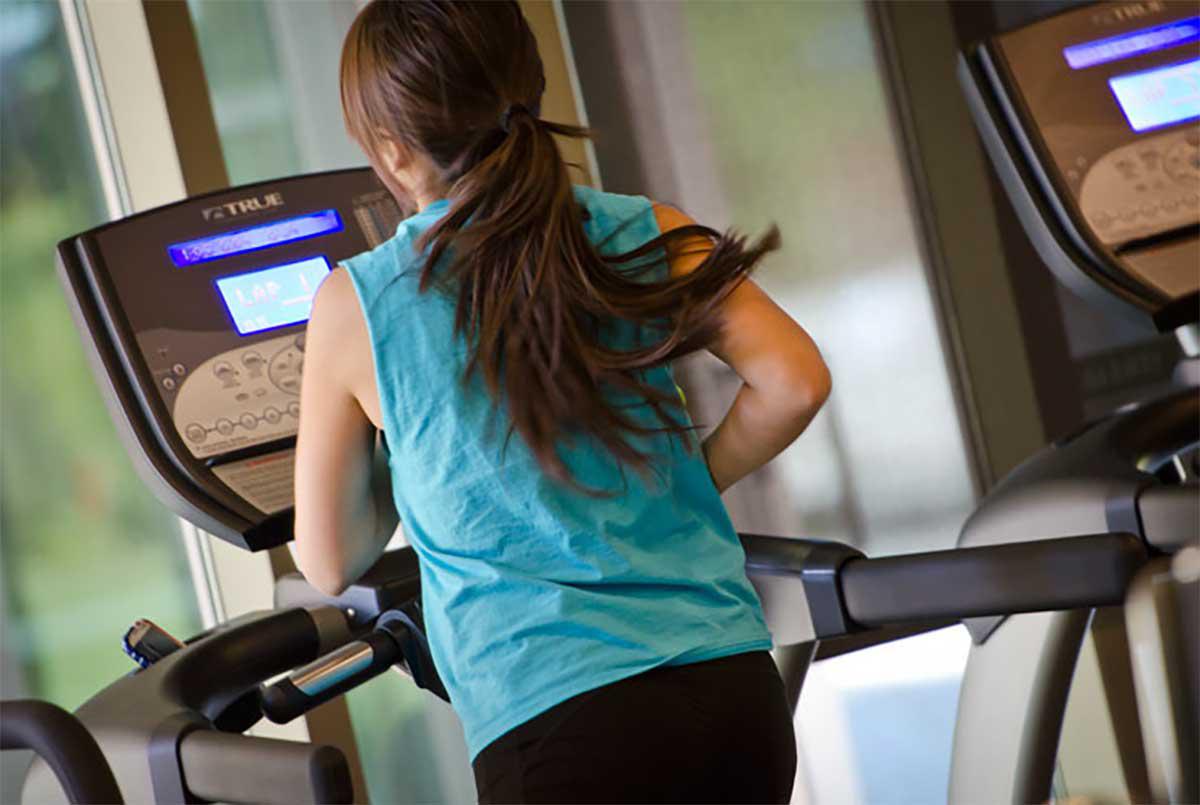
(328, 582)
(326, 575)
(823, 385)
(808, 387)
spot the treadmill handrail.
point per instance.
(1053, 574)
(227, 767)
(256, 649)
(814, 564)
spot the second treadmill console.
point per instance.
(1099, 108)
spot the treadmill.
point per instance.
(193, 316)
(1091, 119)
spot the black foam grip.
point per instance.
(223, 767)
(1055, 574)
(247, 652)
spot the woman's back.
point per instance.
(533, 590)
(585, 593)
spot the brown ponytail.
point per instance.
(462, 82)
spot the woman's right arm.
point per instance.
(784, 379)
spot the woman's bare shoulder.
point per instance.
(686, 255)
(670, 217)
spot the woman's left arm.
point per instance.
(341, 525)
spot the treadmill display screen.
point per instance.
(272, 297)
(1159, 97)
(263, 236)
(1114, 48)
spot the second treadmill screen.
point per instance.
(272, 297)
(1159, 97)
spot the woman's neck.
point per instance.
(424, 182)
(424, 199)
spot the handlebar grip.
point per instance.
(1043, 575)
(330, 676)
(226, 767)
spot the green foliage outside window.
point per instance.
(84, 549)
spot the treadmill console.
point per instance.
(194, 317)
(1092, 117)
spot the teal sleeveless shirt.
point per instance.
(532, 592)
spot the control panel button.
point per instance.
(231, 407)
(254, 363)
(226, 374)
(179, 370)
(285, 368)
(1182, 163)
(168, 383)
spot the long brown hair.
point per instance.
(462, 83)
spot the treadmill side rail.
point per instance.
(797, 582)
(1044, 575)
(224, 767)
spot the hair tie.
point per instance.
(506, 115)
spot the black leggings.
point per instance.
(715, 731)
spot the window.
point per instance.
(84, 549)
(272, 72)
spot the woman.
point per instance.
(583, 587)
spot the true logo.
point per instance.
(243, 206)
(1128, 11)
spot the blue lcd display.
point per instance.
(1113, 48)
(227, 244)
(1159, 97)
(272, 297)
